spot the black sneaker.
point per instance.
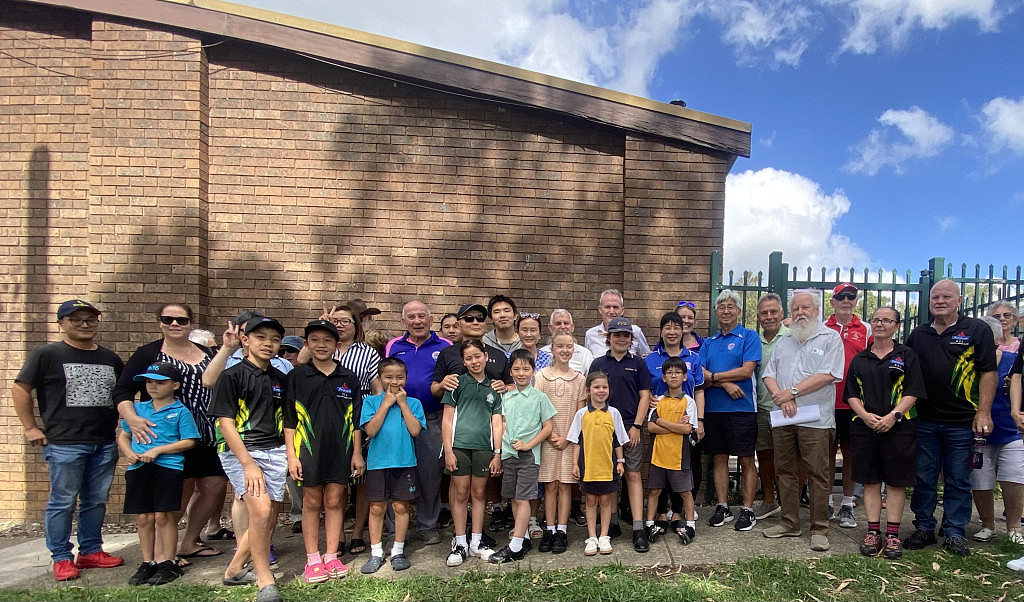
(146, 570)
(577, 515)
(166, 572)
(488, 541)
(640, 543)
(614, 530)
(656, 530)
(497, 520)
(545, 541)
(746, 520)
(507, 555)
(721, 516)
(956, 545)
(920, 539)
(560, 542)
(444, 518)
(297, 526)
(686, 534)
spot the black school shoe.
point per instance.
(614, 530)
(141, 576)
(920, 539)
(545, 541)
(166, 572)
(559, 543)
(640, 543)
(577, 515)
(507, 555)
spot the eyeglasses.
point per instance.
(529, 316)
(885, 321)
(845, 296)
(343, 322)
(687, 304)
(1003, 316)
(674, 373)
(168, 320)
(474, 318)
(83, 321)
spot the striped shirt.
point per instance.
(363, 360)
(194, 395)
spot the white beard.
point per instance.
(803, 329)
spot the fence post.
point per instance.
(936, 271)
(777, 274)
(716, 287)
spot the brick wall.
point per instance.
(143, 164)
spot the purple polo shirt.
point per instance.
(420, 362)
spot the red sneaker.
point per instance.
(98, 560)
(64, 570)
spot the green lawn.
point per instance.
(922, 575)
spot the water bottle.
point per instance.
(977, 452)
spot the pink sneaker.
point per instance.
(316, 573)
(336, 569)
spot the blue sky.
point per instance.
(885, 132)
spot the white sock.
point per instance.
(830, 504)
(377, 549)
(648, 523)
(848, 500)
(398, 548)
(692, 524)
(474, 540)
(460, 540)
(515, 544)
(562, 528)
(551, 528)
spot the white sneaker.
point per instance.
(1017, 565)
(535, 531)
(985, 534)
(590, 549)
(1015, 537)
(604, 544)
(458, 555)
(481, 551)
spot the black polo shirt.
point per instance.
(881, 382)
(952, 364)
(449, 361)
(254, 399)
(626, 378)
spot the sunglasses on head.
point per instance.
(687, 304)
(168, 320)
(474, 318)
(845, 296)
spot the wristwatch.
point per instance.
(898, 417)
(497, 452)
(793, 392)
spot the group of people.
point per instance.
(451, 420)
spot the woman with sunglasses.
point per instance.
(203, 473)
(688, 313)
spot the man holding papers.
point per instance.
(801, 373)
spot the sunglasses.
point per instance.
(529, 315)
(687, 304)
(474, 318)
(168, 320)
(845, 296)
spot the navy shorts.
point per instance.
(152, 488)
(730, 433)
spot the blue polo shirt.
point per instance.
(694, 371)
(420, 362)
(724, 352)
(277, 361)
(626, 377)
(392, 446)
(173, 423)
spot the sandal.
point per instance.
(203, 551)
(356, 546)
(181, 562)
(222, 535)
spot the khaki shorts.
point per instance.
(764, 431)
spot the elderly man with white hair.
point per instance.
(561, 321)
(802, 372)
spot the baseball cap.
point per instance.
(359, 308)
(245, 315)
(159, 371)
(321, 325)
(620, 324)
(844, 286)
(69, 307)
(261, 322)
(292, 341)
(465, 309)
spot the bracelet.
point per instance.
(712, 378)
(638, 426)
(620, 461)
(700, 419)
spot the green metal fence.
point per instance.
(904, 290)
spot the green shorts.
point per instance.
(472, 462)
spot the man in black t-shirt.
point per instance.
(958, 362)
(74, 381)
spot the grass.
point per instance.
(920, 575)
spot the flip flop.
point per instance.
(356, 546)
(222, 535)
(181, 562)
(202, 552)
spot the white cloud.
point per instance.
(921, 136)
(945, 222)
(878, 22)
(755, 26)
(762, 205)
(1004, 124)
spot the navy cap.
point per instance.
(263, 322)
(292, 341)
(245, 316)
(69, 307)
(620, 324)
(160, 371)
(322, 325)
(465, 309)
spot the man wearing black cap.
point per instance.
(473, 322)
(74, 382)
(232, 350)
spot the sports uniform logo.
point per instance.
(960, 338)
(434, 355)
(731, 346)
(897, 363)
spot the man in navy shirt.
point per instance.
(419, 348)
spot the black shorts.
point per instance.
(889, 457)
(730, 433)
(391, 484)
(202, 461)
(152, 488)
(844, 418)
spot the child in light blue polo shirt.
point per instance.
(153, 482)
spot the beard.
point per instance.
(803, 328)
